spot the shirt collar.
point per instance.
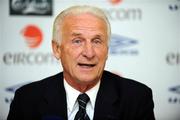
(72, 94)
(92, 93)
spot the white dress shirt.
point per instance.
(72, 103)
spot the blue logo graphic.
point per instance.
(174, 99)
(175, 89)
(173, 7)
(123, 45)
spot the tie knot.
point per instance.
(83, 100)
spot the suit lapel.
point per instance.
(54, 104)
(107, 99)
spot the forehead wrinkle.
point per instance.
(77, 31)
(86, 27)
(76, 34)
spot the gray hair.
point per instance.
(75, 10)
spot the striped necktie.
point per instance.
(82, 101)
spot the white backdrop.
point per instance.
(145, 46)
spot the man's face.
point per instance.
(84, 48)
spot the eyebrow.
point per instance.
(76, 34)
(97, 36)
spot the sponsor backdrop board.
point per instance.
(145, 46)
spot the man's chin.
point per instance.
(87, 80)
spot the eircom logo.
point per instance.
(32, 35)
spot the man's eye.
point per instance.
(77, 41)
(97, 41)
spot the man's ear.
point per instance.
(56, 50)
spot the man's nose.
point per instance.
(88, 50)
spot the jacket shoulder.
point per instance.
(125, 84)
(38, 87)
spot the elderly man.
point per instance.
(84, 90)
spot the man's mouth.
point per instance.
(86, 65)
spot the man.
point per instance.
(83, 91)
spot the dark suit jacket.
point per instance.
(117, 99)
